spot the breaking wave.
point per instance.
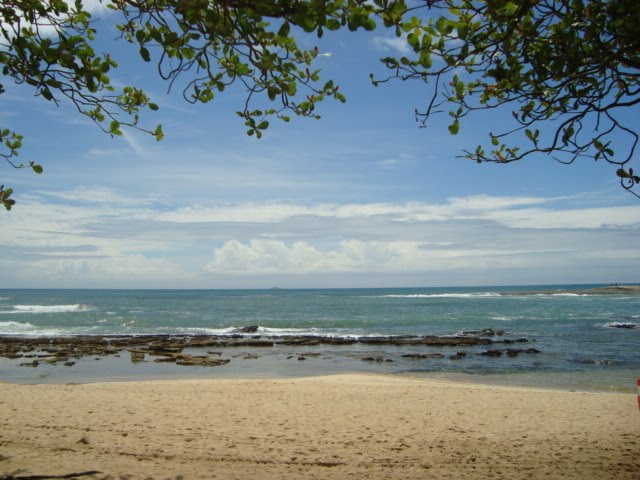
(47, 309)
(447, 295)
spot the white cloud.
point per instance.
(264, 257)
(515, 212)
(44, 26)
(388, 163)
(392, 44)
(97, 236)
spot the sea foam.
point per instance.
(447, 295)
(47, 309)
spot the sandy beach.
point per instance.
(343, 426)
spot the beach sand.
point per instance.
(335, 427)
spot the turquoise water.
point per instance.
(576, 333)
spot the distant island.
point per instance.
(610, 290)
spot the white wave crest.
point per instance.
(447, 295)
(273, 332)
(622, 325)
(16, 327)
(568, 295)
(27, 329)
(501, 318)
(47, 309)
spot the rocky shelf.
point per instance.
(170, 348)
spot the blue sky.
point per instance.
(360, 198)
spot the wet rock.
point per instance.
(486, 332)
(512, 340)
(300, 341)
(34, 363)
(492, 353)
(137, 356)
(532, 350)
(170, 359)
(250, 356)
(300, 359)
(340, 341)
(246, 343)
(201, 361)
(249, 329)
(373, 359)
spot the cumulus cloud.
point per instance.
(269, 256)
(88, 236)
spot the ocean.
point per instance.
(584, 340)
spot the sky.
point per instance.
(361, 198)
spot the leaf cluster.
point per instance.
(248, 43)
(566, 69)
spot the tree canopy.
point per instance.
(564, 69)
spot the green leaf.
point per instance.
(153, 106)
(144, 53)
(454, 128)
(284, 30)
(158, 133)
(37, 168)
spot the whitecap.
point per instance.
(26, 329)
(447, 295)
(622, 325)
(47, 309)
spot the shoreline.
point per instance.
(486, 356)
(366, 426)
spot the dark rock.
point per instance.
(198, 361)
(492, 353)
(35, 363)
(532, 350)
(418, 356)
(487, 332)
(300, 359)
(629, 326)
(340, 341)
(373, 359)
(249, 329)
(165, 359)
